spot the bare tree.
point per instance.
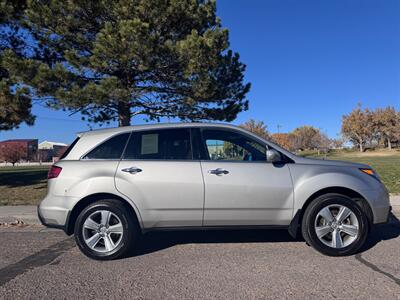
(321, 142)
(256, 127)
(397, 130)
(386, 124)
(306, 138)
(337, 143)
(358, 126)
(285, 140)
(13, 153)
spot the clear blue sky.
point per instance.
(309, 62)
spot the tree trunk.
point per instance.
(389, 144)
(124, 114)
(361, 147)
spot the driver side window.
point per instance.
(232, 146)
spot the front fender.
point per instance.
(307, 180)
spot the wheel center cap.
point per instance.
(334, 225)
(103, 229)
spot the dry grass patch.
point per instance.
(23, 185)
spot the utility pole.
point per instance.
(279, 127)
(327, 143)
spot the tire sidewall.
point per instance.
(325, 201)
(126, 224)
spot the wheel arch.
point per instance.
(360, 200)
(89, 199)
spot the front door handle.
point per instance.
(132, 170)
(218, 171)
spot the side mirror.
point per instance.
(273, 156)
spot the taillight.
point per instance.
(54, 172)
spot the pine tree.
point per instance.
(111, 60)
(15, 105)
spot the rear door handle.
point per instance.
(132, 170)
(218, 171)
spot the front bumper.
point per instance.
(382, 214)
(379, 202)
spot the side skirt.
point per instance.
(222, 227)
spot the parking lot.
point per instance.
(39, 263)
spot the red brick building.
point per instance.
(27, 148)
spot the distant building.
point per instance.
(51, 145)
(51, 151)
(28, 147)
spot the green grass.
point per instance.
(387, 164)
(23, 185)
(27, 185)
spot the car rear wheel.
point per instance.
(335, 225)
(105, 230)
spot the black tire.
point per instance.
(311, 213)
(129, 225)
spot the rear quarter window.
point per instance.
(109, 149)
(66, 152)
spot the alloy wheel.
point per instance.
(336, 226)
(102, 231)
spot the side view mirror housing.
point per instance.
(273, 156)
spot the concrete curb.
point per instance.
(395, 200)
(28, 213)
(24, 213)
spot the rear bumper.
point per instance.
(54, 212)
(52, 223)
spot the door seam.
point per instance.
(293, 191)
(204, 193)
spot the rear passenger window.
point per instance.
(167, 144)
(110, 149)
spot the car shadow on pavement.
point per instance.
(159, 240)
(383, 232)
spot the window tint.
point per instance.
(227, 145)
(110, 149)
(169, 144)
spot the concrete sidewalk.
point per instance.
(28, 213)
(24, 213)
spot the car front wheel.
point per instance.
(105, 230)
(335, 225)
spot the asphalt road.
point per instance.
(43, 264)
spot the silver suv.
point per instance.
(111, 185)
